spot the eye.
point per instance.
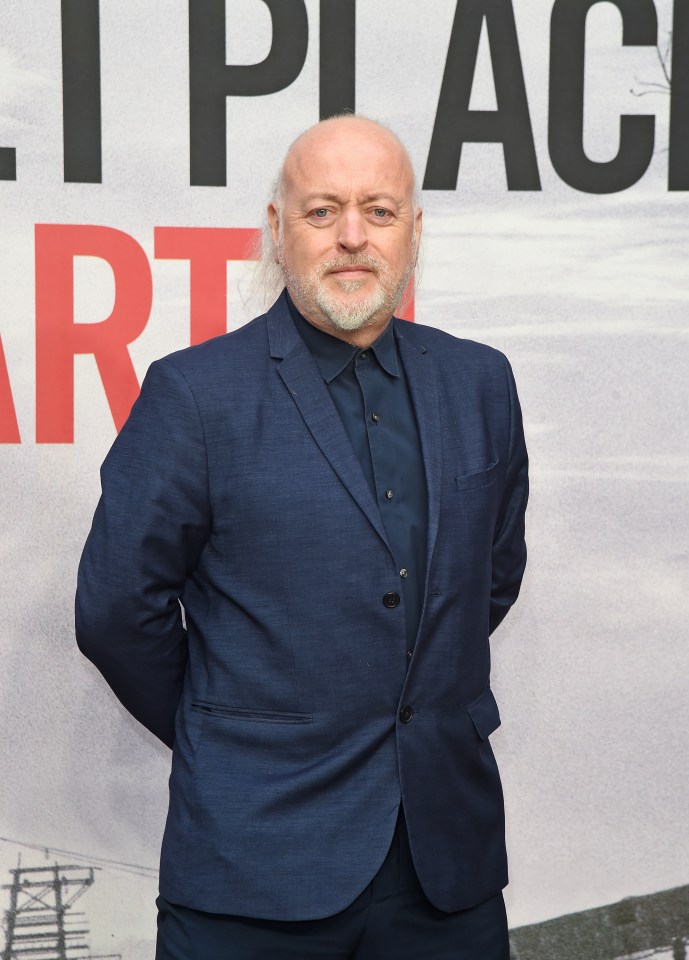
(380, 212)
(320, 215)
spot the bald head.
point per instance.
(348, 132)
(345, 225)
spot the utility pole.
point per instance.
(40, 923)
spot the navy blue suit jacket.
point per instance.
(282, 687)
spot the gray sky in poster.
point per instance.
(588, 296)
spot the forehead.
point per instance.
(348, 159)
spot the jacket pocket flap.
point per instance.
(485, 714)
(257, 716)
(480, 479)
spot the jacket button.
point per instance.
(391, 600)
(406, 713)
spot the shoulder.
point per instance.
(461, 367)
(244, 344)
(448, 349)
(231, 357)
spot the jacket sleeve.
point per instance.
(148, 532)
(509, 547)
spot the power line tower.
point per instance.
(40, 923)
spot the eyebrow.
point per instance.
(367, 198)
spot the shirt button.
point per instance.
(406, 713)
(391, 600)
(375, 417)
(404, 573)
(410, 654)
(389, 494)
(363, 356)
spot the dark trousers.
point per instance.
(392, 918)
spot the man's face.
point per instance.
(346, 232)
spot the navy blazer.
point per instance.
(231, 592)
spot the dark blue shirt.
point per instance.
(370, 391)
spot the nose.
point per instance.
(352, 231)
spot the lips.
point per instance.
(351, 272)
(357, 267)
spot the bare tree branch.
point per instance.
(644, 87)
(650, 88)
(664, 58)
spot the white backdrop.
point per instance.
(586, 294)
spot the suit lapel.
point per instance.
(421, 377)
(309, 392)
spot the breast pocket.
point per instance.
(480, 478)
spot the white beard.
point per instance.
(339, 311)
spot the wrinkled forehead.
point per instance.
(350, 158)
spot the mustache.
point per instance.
(354, 260)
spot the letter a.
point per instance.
(456, 124)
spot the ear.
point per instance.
(274, 222)
(418, 223)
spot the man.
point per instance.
(336, 499)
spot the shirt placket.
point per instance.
(376, 391)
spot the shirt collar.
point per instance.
(332, 355)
